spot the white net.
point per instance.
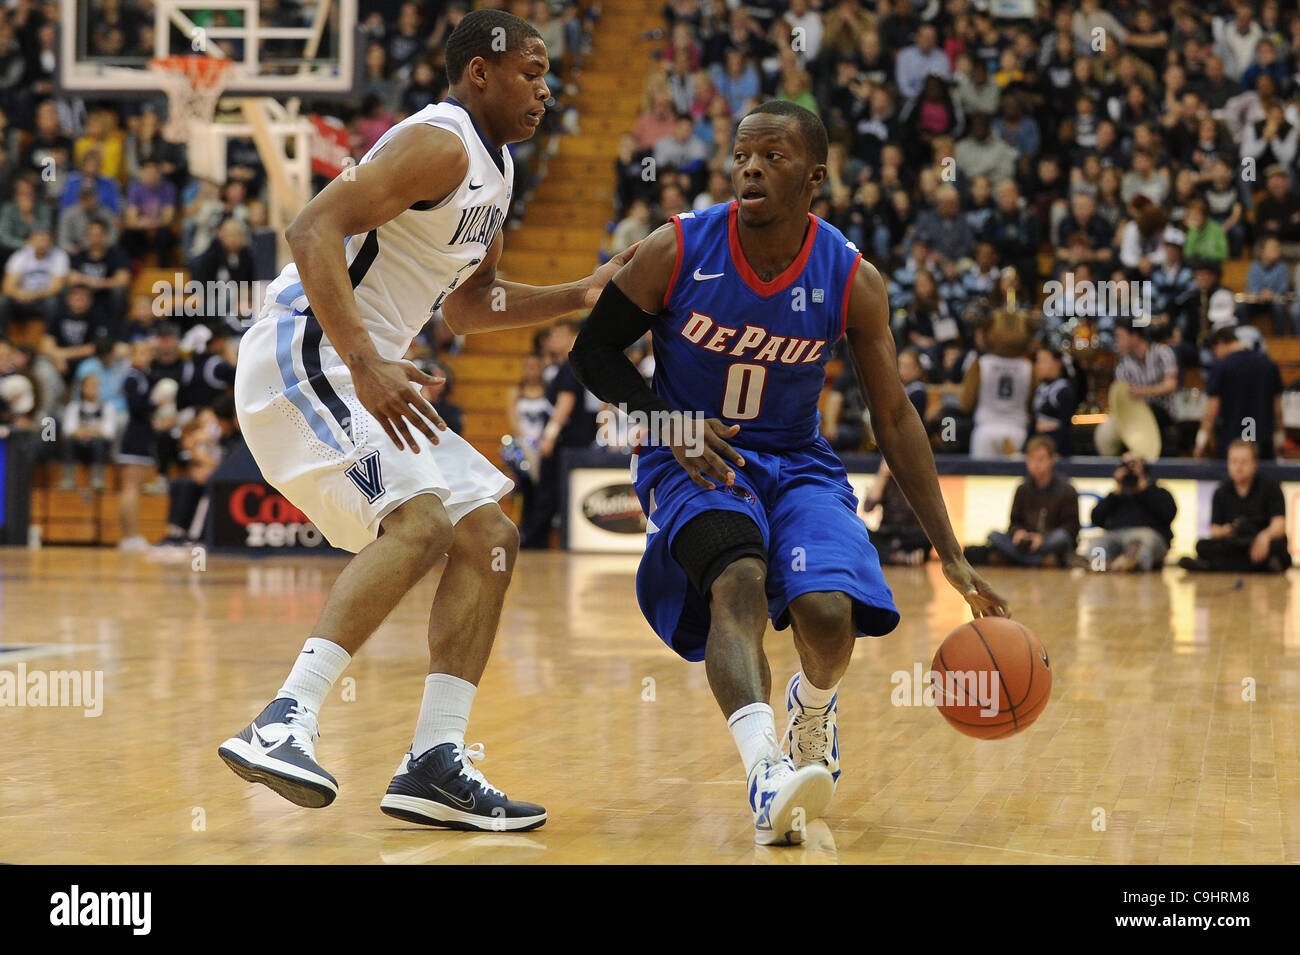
(193, 85)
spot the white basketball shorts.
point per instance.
(318, 446)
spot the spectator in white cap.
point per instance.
(1172, 278)
(1222, 313)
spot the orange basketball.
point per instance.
(992, 677)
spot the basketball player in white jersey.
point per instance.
(333, 415)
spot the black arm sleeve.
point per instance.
(598, 359)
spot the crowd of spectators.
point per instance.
(975, 159)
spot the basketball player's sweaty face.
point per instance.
(772, 174)
(516, 92)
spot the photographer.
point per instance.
(1137, 519)
(1247, 520)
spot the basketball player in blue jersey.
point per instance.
(745, 301)
(332, 414)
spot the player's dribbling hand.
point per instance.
(983, 599)
(707, 452)
(597, 280)
(384, 388)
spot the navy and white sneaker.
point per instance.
(786, 799)
(811, 737)
(441, 787)
(278, 750)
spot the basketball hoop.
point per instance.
(193, 85)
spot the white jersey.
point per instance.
(1004, 390)
(402, 271)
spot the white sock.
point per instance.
(444, 714)
(813, 697)
(754, 729)
(315, 671)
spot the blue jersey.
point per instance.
(743, 350)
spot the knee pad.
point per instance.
(712, 542)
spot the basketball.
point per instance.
(992, 678)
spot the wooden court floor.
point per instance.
(1147, 753)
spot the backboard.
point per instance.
(282, 50)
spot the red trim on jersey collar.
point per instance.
(747, 273)
(848, 290)
(677, 266)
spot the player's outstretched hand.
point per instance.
(384, 388)
(596, 280)
(703, 452)
(983, 599)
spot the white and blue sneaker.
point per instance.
(786, 799)
(811, 737)
(278, 750)
(442, 787)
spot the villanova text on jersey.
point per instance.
(743, 350)
(478, 224)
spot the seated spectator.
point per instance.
(659, 121)
(1223, 205)
(201, 452)
(439, 395)
(737, 80)
(147, 142)
(681, 149)
(1151, 371)
(912, 375)
(22, 215)
(1014, 231)
(1145, 178)
(899, 539)
(49, 146)
(1247, 521)
(983, 153)
(1055, 401)
(630, 169)
(77, 326)
(426, 88)
(634, 227)
(842, 423)
(945, 230)
(106, 271)
(1137, 521)
(1083, 218)
(106, 189)
(928, 321)
(1244, 398)
(89, 427)
(1277, 213)
(1142, 246)
(920, 61)
(1172, 277)
(74, 221)
(1273, 140)
(34, 277)
(1269, 283)
(150, 211)
(104, 138)
(1044, 516)
(228, 259)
